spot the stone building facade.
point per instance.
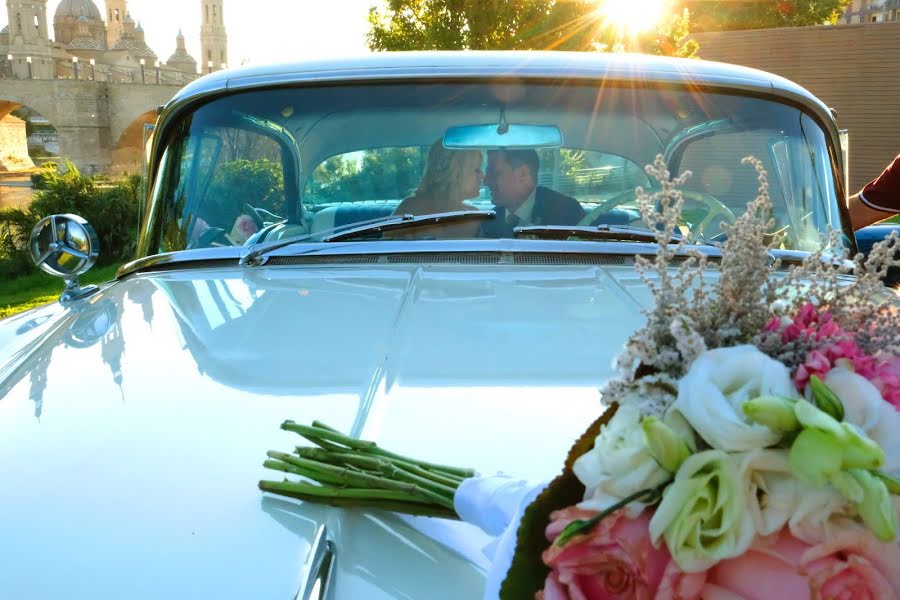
(93, 40)
(872, 11)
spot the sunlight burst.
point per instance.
(633, 16)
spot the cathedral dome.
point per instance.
(85, 43)
(78, 8)
(134, 47)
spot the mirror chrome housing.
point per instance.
(65, 246)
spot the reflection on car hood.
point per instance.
(134, 425)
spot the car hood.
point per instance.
(134, 424)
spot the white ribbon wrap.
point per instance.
(496, 505)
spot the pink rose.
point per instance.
(851, 565)
(614, 560)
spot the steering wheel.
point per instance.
(714, 210)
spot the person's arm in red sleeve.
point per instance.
(879, 199)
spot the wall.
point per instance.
(853, 68)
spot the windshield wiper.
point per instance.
(254, 254)
(410, 222)
(592, 232)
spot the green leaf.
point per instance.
(527, 572)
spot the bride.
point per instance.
(450, 178)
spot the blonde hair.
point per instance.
(445, 170)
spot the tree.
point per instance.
(709, 15)
(381, 173)
(112, 210)
(259, 183)
(513, 25)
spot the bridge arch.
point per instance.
(129, 148)
(91, 117)
(10, 101)
(28, 137)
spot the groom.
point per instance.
(511, 175)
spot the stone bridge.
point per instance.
(100, 124)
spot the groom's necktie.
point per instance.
(512, 221)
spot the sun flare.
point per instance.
(633, 16)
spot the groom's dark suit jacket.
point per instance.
(550, 208)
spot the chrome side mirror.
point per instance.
(65, 246)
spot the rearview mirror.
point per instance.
(508, 136)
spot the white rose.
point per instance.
(710, 396)
(865, 408)
(619, 465)
(776, 498)
(817, 512)
(770, 488)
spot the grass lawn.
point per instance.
(37, 289)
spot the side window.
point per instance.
(591, 177)
(230, 184)
(386, 175)
(249, 171)
(715, 163)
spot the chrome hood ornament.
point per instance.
(66, 246)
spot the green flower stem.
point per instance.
(368, 463)
(321, 425)
(424, 482)
(439, 478)
(327, 446)
(324, 474)
(579, 526)
(443, 483)
(341, 476)
(314, 433)
(389, 500)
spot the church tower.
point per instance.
(181, 60)
(213, 41)
(116, 11)
(29, 39)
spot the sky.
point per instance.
(259, 31)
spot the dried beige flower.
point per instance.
(704, 304)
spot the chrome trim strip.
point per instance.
(230, 256)
(315, 577)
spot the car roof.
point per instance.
(573, 66)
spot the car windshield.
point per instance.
(274, 164)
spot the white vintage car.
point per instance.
(274, 281)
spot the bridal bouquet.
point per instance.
(751, 448)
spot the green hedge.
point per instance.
(112, 209)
